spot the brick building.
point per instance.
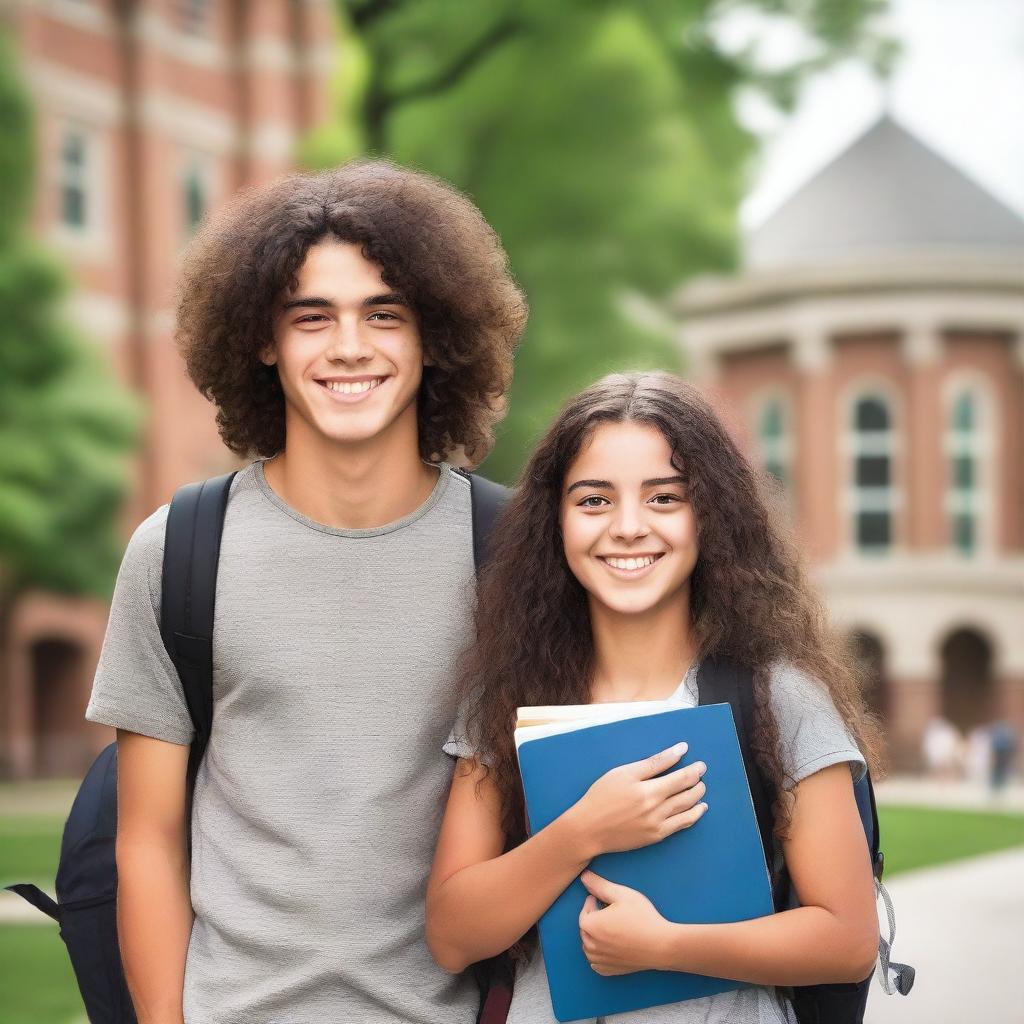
(149, 113)
(872, 354)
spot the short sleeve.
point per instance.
(460, 743)
(136, 687)
(812, 734)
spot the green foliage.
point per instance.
(598, 137)
(65, 426)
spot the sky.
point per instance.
(959, 86)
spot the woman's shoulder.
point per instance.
(812, 733)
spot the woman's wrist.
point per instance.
(576, 836)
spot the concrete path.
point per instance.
(913, 791)
(962, 926)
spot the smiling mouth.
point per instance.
(630, 565)
(351, 386)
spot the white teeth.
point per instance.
(630, 563)
(347, 388)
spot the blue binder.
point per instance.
(710, 873)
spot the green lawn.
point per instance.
(917, 837)
(37, 985)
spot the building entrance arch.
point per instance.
(968, 687)
(56, 667)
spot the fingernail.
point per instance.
(701, 767)
(679, 749)
(705, 811)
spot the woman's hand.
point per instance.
(627, 935)
(629, 807)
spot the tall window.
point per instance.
(873, 493)
(774, 440)
(964, 451)
(73, 169)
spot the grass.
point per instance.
(918, 837)
(37, 985)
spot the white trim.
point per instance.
(754, 326)
(100, 316)
(91, 16)
(189, 123)
(913, 601)
(205, 51)
(69, 94)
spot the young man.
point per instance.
(354, 329)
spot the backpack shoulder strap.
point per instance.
(188, 593)
(720, 681)
(488, 500)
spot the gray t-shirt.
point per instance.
(319, 800)
(812, 736)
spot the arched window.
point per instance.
(964, 451)
(872, 478)
(774, 440)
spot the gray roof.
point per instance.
(886, 194)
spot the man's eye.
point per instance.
(383, 314)
(597, 500)
(312, 318)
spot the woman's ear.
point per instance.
(268, 355)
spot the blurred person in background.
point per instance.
(942, 748)
(355, 330)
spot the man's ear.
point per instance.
(268, 355)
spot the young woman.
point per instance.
(638, 543)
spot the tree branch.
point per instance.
(491, 40)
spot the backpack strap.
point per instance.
(488, 500)
(188, 593)
(720, 681)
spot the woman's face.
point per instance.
(630, 534)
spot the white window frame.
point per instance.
(872, 498)
(980, 445)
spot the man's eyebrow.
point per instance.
(319, 302)
(607, 485)
(387, 299)
(308, 301)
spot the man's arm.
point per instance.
(154, 911)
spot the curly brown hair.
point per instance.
(750, 600)
(434, 248)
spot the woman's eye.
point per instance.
(383, 314)
(593, 501)
(666, 499)
(312, 318)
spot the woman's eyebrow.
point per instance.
(319, 302)
(600, 484)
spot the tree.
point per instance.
(65, 426)
(599, 138)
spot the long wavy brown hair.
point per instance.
(750, 600)
(434, 248)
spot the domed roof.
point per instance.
(887, 194)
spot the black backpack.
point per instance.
(86, 905)
(721, 682)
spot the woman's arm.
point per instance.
(832, 937)
(480, 901)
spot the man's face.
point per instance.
(347, 349)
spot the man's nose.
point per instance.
(349, 343)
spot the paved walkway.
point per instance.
(960, 925)
(914, 791)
